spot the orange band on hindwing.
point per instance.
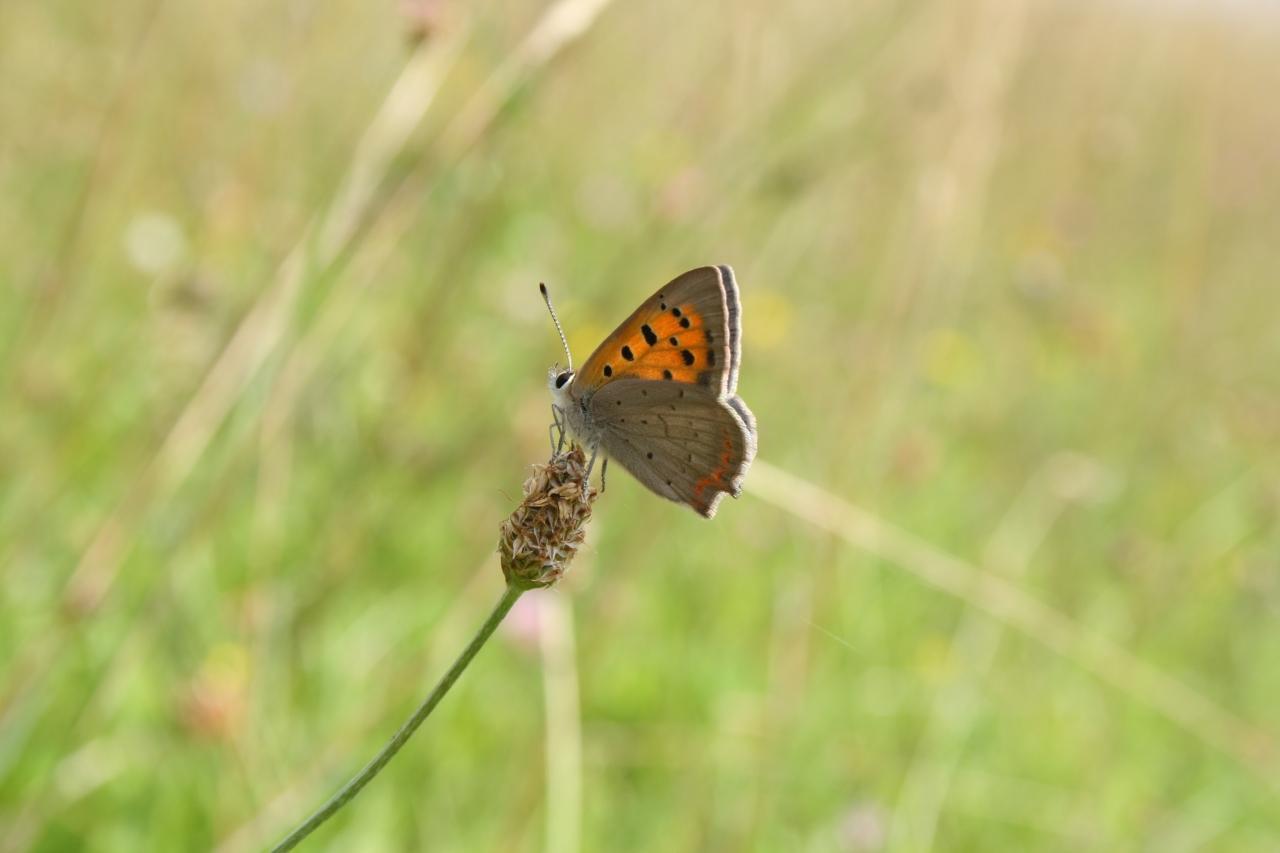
(717, 476)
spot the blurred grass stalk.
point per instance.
(1063, 479)
(1005, 602)
(261, 332)
(563, 723)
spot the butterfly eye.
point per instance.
(563, 378)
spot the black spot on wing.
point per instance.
(687, 356)
(649, 337)
(628, 354)
(666, 374)
(608, 370)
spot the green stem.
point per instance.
(374, 767)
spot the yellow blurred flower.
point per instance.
(768, 315)
(949, 359)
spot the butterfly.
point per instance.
(659, 394)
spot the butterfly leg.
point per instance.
(555, 430)
(604, 466)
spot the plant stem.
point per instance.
(374, 767)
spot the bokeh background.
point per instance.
(1007, 573)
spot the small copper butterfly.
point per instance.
(658, 395)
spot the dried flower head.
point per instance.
(538, 541)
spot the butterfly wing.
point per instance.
(680, 440)
(687, 332)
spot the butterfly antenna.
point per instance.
(546, 297)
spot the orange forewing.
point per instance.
(662, 340)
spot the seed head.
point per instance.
(538, 541)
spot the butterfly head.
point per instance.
(558, 381)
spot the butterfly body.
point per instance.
(659, 394)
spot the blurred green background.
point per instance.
(273, 366)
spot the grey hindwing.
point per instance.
(680, 440)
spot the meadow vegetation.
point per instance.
(273, 367)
